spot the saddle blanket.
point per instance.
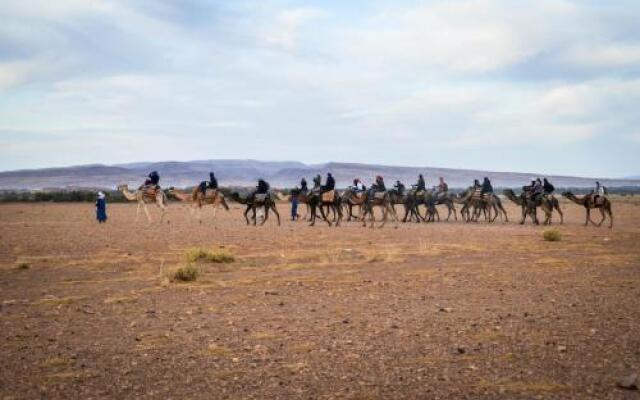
(379, 195)
(328, 197)
(211, 192)
(260, 197)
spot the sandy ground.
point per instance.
(426, 311)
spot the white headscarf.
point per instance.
(101, 195)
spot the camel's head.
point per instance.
(508, 193)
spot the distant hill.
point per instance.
(279, 174)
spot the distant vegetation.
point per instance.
(114, 196)
(552, 235)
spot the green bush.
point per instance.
(552, 235)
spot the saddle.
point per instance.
(260, 197)
(477, 194)
(210, 193)
(379, 195)
(329, 197)
(150, 190)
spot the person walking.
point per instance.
(101, 208)
(294, 203)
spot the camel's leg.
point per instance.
(602, 214)
(610, 212)
(325, 216)
(557, 207)
(146, 211)
(586, 222)
(275, 211)
(138, 211)
(385, 211)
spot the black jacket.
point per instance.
(548, 187)
(486, 187)
(154, 178)
(330, 184)
(303, 185)
(421, 185)
(213, 182)
(263, 187)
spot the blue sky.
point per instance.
(545, 86)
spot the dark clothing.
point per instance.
(101, 210)
(294, 208)
(303, 185)
(421, 185)
(317, 182)
(379, 186)
(548, 187)
(202, 186)
(154, 178)
(329, 185)
(263, 187)
(213, 182)
(399, 188)
(486, 187)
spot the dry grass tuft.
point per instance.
(213, 256)
(552, 235)
(23, 265)
(186, 274)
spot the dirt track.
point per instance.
(445, 310)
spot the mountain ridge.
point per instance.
(245, 172)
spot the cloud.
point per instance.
(370, 82)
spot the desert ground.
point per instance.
(426, 311)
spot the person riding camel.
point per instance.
(152, 180)
(263, 187)
(211, 184)
(421, 185)
(528, 189)
(317, 183)
(399, 187)
(597, 192)
(547, 187)
(303, 186)
(487, 189)
(379, 185)
(537, 189)
(330, 184)
(443, 188)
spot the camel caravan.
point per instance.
(358, 203)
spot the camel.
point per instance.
(255, 200)
(548, 203)
(350, 199)
(473, 198)
(211, 196)
(317, 200)
(377, 199)
(588, 202)
(143, 196)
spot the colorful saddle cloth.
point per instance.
(329, 197)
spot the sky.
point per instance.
(549, 86)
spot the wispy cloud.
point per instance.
(376, 82)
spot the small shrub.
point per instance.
(23, 265)
(186, 274)
(552, 235)
(214, 256)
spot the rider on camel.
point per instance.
(330, 184)
(399, 186)
(153, 180)
(211, 184)
(486, 187)
(303, 186)
(421, 185)
(379, 185)
(443, 188)
(547, 187)
(263, 187)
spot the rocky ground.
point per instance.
(425, 311)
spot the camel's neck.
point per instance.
(180, 196)
(512, 196)
(577, 200)
(128, 195)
